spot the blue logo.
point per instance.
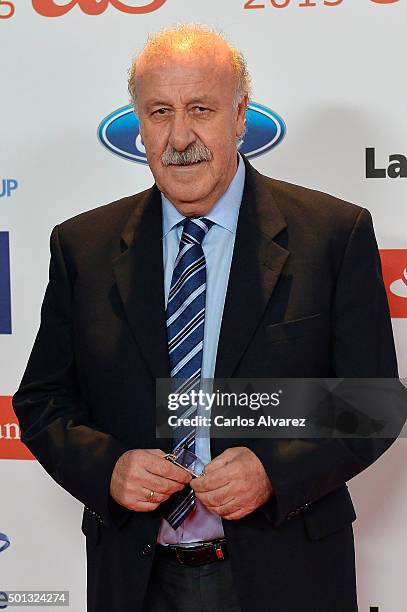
(7, 186)
(3, 599)
(5, 294)
(120, 133)
(4, 542)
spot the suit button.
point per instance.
(147, 549)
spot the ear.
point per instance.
(241, 115)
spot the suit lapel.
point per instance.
(139, 276)
(256, 266)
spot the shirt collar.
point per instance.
(224, 212)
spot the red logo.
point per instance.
(394, 265)
(11, 446)
(6, 9)
(50, 8)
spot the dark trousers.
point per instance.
(183, 588)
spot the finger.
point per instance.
(154, 497)
(143, 506)
(216, 498)
(219, 462)
(162, 467)
(226, 457)
(215, 480)
(134, 501)
(226, 509)
(222, 508)
(156, 451)
(161, 485)
(234, 516)
(231, 505)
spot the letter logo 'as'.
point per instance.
(49, 8)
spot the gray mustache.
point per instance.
(194, 153)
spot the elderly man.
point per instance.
(220, 271)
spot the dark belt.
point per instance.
(207, 552)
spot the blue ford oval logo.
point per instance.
(4, 542)
(119, 132)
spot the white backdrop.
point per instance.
(334, 71)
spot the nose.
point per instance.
(181, 134)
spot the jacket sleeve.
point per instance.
(304, 470)
(54, 420)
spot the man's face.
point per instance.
(185, 100)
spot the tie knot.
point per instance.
(195, 229)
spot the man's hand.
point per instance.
(235, 483)
(138, 472)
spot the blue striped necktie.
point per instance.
(185, 331)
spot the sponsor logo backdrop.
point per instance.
(328, 112)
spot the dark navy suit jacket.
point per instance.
(305, 299)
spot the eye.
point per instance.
(200, 110)
(160, 112)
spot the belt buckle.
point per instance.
(218, 551)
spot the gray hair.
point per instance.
(194, 36)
